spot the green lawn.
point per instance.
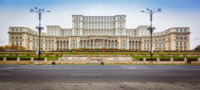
(48, 57)
(140, 57)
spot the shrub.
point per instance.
(79, 49)
(28, 54)
(47, 54)
(57, 54)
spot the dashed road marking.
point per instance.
(85, 74)
(177, 74)
(2, 74)
(19, 70)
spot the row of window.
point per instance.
(184, 43)
(45, 40)
(16, 43)
(99, 45)
(16, 38)
(17, 30)
(98, 19)
(181, 38)
(177, 30)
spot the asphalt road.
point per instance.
(90, 73)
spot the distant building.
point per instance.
(92, 32)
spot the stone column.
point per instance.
(90, 44)
(86, 43)
(185, 60)
(158, 60)
(18, 59)
(32, 59)
(45, 59)
(4, 59)
(131, 45)
(172, 59)
(59, 59)
(127, 43)
(119, 43)
(69, 43)
(107, 44)
(103, 42)
(144, 59)
(93, 44)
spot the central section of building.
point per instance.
(96, 32)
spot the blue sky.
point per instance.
(175, 13)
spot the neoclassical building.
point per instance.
(96, 32)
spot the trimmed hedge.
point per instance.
(178, 59)
(11, 59)
(193, 59)
(38, 59)
(164, 59)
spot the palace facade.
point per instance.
(96, 32)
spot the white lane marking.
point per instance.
(4, 74)
(19, 70)
(189, 69)
(10, 67)
(177, 74)
(155, 71)
(125, 66)
(85, 74)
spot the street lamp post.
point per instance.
(39, 11)
(151, 12)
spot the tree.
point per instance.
(2, 48)
(79, 49)
(6, 47)
(15, 47)
(103, 49)
(197, 48)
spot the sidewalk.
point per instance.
(99, 86)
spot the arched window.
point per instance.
(163, 40)
(176, 38)
(16, 37)
(20, 37)
(13, 38)
(185, 38)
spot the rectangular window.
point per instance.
(73, 45)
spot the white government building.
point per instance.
(96, 32)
